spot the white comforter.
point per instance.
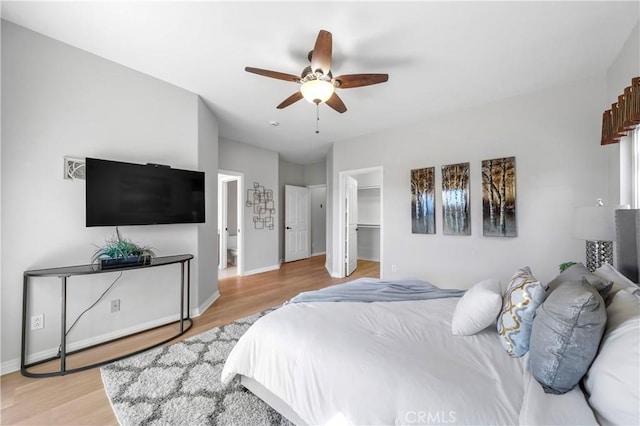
(383, 363)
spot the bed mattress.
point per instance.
(380, 363)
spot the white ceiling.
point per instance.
(440, 56)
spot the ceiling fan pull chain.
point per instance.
(317, 116)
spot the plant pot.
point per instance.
(123, 262)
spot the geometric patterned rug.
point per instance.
(179, 384)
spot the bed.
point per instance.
(399, 362)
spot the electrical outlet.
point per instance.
(394, 268)
(37, 322)
(115, 305)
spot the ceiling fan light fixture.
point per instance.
(317, 91)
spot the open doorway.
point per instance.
(318, 195)
(360, 218)
(230, 220)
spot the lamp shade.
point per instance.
(317, 91)
(596, 223)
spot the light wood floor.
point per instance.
(79, 398)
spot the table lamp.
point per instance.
(596, 225)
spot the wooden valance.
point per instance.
(623, 116)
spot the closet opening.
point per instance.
(361, 218)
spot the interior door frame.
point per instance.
(222, 222)
(351, 227)
(342, 211)
(239, 178)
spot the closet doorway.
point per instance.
(230, 220)
(361, 219)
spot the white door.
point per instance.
(297, 218)
(351, 229)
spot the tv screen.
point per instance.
(120, 193)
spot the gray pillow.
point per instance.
(565, 335)
(576, 273)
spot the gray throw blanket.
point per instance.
(375, 290)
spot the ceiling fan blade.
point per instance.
(359, 80)
(321, 58)
(273, 74)
(290, 100)
(336, 103)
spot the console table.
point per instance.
(69, 271)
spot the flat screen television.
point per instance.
(120, 193)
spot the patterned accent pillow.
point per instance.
(519, 303)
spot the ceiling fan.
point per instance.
(317, 82)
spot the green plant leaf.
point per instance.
(566, 265)
(117, 246)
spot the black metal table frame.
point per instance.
(65, 272)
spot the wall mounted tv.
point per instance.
(137, 194)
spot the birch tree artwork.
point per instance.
(499, 197)
(456, 216)
(423, 216)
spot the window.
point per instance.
(630, 169)
(635, 169)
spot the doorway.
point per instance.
(230, 220)
(360, 218)
(318, 194)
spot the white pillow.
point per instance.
(613, 380)
(620, 282)
(477, 309)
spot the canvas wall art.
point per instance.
(499, 197)
(456, 214)
(423, 216)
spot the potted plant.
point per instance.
(120, 252)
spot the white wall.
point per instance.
(207, 284)
(625, 66)
(290, 173)
(332, 216)
(315, 174)
(258, 165)
(554, 135)
(58, 100)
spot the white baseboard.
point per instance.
(261, 270)
(202, 308)
(320, 253)
(14, 364)
(10, 366)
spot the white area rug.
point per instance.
(180, 384)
